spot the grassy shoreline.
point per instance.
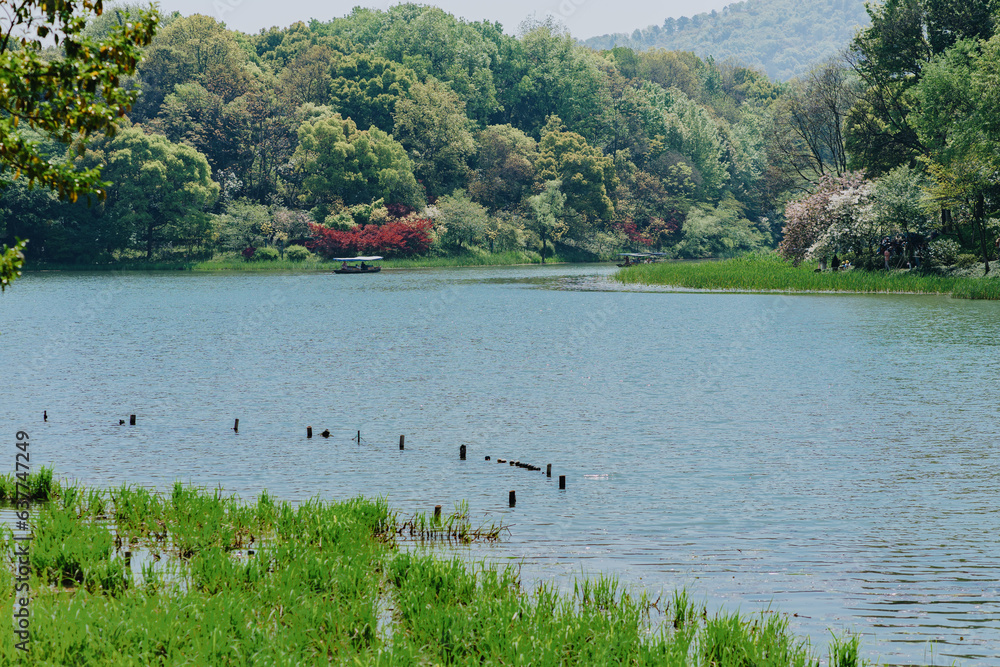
(235, 263)
(213, 579)
(769, 273)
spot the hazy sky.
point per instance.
(584, 18)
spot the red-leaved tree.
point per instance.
(401, 238)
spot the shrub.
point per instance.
(266, 255)
(401, 238)
(966, 261)
(341, 221)
(943, 252)
(865, 261)
(297, 253)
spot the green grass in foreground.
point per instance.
(769, 273)
(327, 583)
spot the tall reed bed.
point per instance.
(37, 486)
(769, 273)
(266, 582)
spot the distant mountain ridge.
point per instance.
(785, 38)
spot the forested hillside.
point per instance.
(410, 132)
(784, 38)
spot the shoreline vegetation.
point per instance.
(769, 273)
(131, 576)
(235, 263)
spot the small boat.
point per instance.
(633, 258)
(358, 264)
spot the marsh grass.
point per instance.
(266, 582)
(456, 527)
(37, 487)
(769, 273)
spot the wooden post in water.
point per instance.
(309, 431)
(562, 481)
(45, 415)
(548, 470)
(359, 437)
(513, 499)
(461, 453)
(437, 514)
(131, 420)
(402, 439)
(236, 426)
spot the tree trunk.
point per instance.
(946, 220)
(149, 242)
(980, 214)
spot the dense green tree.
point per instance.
(193, 48)
(34, 213)
(679, 126)
(585, 175)
(432, 126)
(719, 231)
(267, 129)
(341, 163)
(244, 225)
(672, 69)
(461, 220)
(368, 89)
(956, 120)
(890, 57)
(159, 193)
(68, 95)
(504, 167)
(435, 44)
(548, 209)
(200, 118)
(360, 86)
(553, 76)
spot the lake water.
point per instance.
(830, 456)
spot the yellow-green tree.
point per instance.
(585, 174)
(342, 163)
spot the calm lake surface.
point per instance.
(834, 457)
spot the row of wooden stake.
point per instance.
(512, 499)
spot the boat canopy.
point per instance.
(635, 254)
(357, 259)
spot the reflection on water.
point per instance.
(831, 456)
